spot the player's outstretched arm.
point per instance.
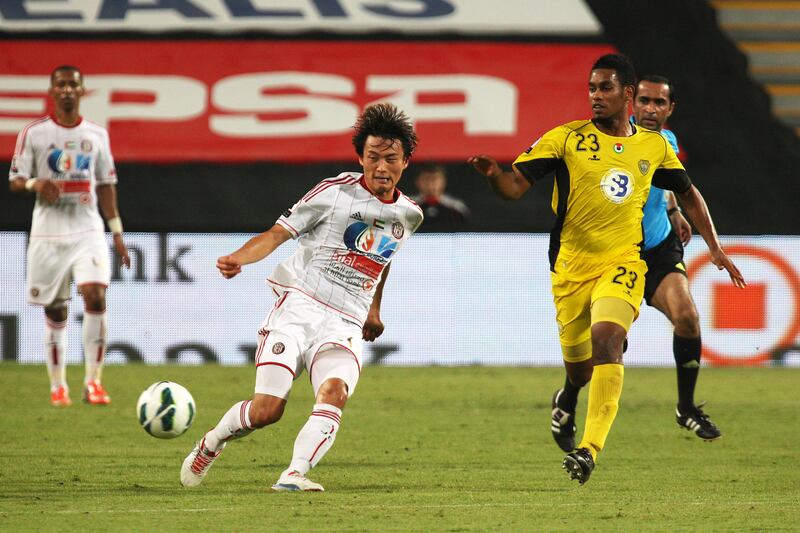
(697, 210)
(373, 327)
(509, 185)
(253, 250)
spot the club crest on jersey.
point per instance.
(617, 185)
(86, 145)
(644, 166)
(398, 230)
(618, 148)
(278, 348)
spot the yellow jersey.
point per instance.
(601, 185)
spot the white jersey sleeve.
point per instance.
(105, 172)
(303, 216)
(22, 161)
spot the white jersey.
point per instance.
(346, 237)
(77, 158)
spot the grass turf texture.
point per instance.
(446, 449)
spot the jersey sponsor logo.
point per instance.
(398, 230)
(359, 262)
(644, 166)
(362, 238)
(287, 213)
(357, 216)
(61, 162)
(594, 158)
(278, 348)
(617, 185)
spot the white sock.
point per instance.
(94, 344)
(316, 437)
(55, 348)
(233, 425)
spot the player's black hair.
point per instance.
(65, 68)
(621, 65)
(655, 78)
(386, 121)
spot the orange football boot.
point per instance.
(95, 394)
(59, 397)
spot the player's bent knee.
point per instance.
(607, 342)
(266, 410)
(333, 391)
(687, 322)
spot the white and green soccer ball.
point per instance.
(166, 409)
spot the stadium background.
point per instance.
(222, 113)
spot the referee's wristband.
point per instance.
(30, 183)
(673, 210)
(115, 225)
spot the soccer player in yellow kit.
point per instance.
(603, 170)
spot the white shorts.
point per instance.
(300, 334)
(52, 265)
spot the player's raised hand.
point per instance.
(721, 260)
(373, 327)
(485, 164)
(228, 266)
(122, 250)
(47, 189)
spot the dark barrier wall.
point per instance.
(746, 163)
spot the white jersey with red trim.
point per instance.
(77, 158)
(346, 237)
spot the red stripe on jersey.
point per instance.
(288, 227)
(75, 186)
(24, 134)
(343, 181)
(277, 364)
(273, 282)
(324, 184)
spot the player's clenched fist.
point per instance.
(228, 266)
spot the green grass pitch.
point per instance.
(421, 449)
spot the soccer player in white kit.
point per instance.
(329, 294)
(66, 161)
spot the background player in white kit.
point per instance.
(329, 295)
(66, 161)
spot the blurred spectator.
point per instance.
(443, 213)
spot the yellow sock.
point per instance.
(605, 390)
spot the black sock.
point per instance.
(687, 362)
(569, 398)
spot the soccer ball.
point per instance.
(165, 409)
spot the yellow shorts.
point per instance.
(575, 312)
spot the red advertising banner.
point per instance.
(175, 101)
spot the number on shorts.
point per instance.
(622, 271)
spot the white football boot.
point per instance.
(196, 465)
(292, 481)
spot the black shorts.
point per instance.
(664, 259)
